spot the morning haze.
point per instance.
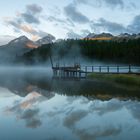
(69, 69)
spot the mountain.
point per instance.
(102, 36)
(108, 36)
(45, 40)
(20, 46)
(59, 40)
(16, 47)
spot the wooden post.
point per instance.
(67, 73)
(118, 70)
(92, 68)
(129, 68)
(79, 74)
(59, 72)
(51, 61)
(108, 69)
(100, 69)
(86, 70)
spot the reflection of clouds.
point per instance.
(77, 117)
(71, 99)
(74, 117)
(115, 105)
(31, 118)
(90, 133)
(85, 135)
(134, 109)
(106, 107)
(66, 110)
(24, 109)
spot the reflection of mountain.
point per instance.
(79, 116)
(23, 84)
(19, 85)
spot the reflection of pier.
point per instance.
(79, 71)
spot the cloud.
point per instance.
(30, 18)
(72, 35)
(104, 25)
(134, 27)
(72, 13)
(51, 19)
(114, 3)
(31, 15)
(81, 1)
(28, 28)
(99, 3)
(23, 21)
(60, 21)
(34, 9)
(24, 27)
(5, 39)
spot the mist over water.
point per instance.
(33, 105)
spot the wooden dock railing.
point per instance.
(111, 69)
(82, 71)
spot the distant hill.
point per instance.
(102, 36)
(20, 46)
(108, 36)
(122, 48)
(45, 40)
(123, 51)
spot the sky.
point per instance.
(67, 18)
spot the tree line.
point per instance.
(125, 51)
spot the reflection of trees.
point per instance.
(25, 83)
(94, 90)
(20, 85)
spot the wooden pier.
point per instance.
(78, 71)
(68, 71)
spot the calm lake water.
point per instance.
(34, 106)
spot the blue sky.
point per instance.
(68, 18)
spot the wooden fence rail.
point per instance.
(78, 70)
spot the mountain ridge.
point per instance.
(109, 36)
(20, 46)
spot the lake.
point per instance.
(35, 106)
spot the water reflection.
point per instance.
(34, 107)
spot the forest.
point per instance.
(123, 51)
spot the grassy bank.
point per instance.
(125, 79)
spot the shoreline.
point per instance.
(130, 80)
